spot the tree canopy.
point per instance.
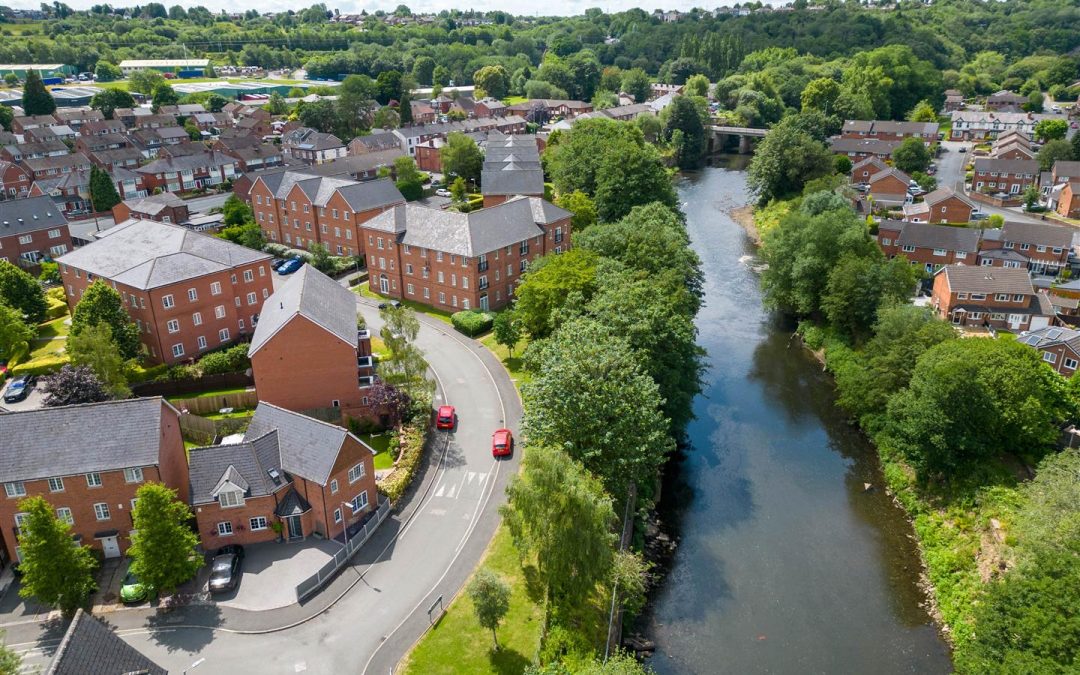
(101, 303)
(54, 572)
(22, 292)
(162, 545)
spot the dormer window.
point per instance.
(230, 498)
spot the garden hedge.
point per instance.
(472, 322)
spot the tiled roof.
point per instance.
(1028, 166)
(968, 279)
(19, 216)
(309, 448)
(246, 465)
(79, 439)
(943, 193)
(313, 295)
(146, 254)
(91, 647)
(924, 235)
(374, 194)
(1051, 336)
(1054, 236)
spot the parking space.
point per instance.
(34, 400)
(271, 572)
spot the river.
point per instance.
(786, 563)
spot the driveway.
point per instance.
(272, 571)
(34, 400)
(374, 611)
(950, 173)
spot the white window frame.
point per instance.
(357, 472)
(101, 512)
(93, 479)
(167, 301)
(56, 484)
(64, 513)
(15, 489)
(228, 499)
(258, 523)
(133, 475)
(225, 528)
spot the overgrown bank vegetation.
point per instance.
(960, 425)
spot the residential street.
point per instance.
(951, 174)
(377, 607)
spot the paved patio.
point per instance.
(272, 571)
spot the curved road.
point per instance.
(372, 613)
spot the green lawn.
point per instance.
(380, 443)
(515, 366)
(235, 414)
(458, 644)
(366, 292)
(47, 354)
(125, 85)
(514, 100)
(210, 392)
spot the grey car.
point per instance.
(225, 569)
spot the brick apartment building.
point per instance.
(186, 292)
(454, 261)
(1010, 176)
(511, 167)
(931, 246)
(296, 208)
(1042, 248)
(984, 297)
(313, 477)
(888, 130)
(1060, 347)
(88, 461)
(31, 230)
(943, 205)
(309, 325)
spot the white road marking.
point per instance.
(450, 494)
(301, 666)
(437, 512)
(440, 491)
(469, 477)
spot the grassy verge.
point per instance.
(381, 445)
(513, 364)
(366, 292)
(458, 644)
(210, 392)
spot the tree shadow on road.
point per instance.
(188, 628)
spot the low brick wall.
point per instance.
(994, 201)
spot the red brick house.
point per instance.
(53, 166)
(888, 130)
(943, 205)
(1068, 203)
(103, 127)
(428, 156)
(1010, 176)
(32, 229)
(1060, 347)
(309, 325)
(312, 477)
(21, 124)
(88, 465)
(983, 297)
(889, 187)
(1041, 248)
(164, 208)
(190, 172)
(454, 261)
(931, 246)
(1005, 101)
(186, 292)
(312, 147)
(15, 181)
(864, 169)
(860, 148)
(19, 152)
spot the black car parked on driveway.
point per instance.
(225, 568)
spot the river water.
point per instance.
(786, 562)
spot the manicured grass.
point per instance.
(515, 365)
(46, 355)
(235, 414)
(210, 392)
(366, 292)
(380, 443)
(378, 348)
(458, 644)
(514, 100)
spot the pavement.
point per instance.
(370, 615)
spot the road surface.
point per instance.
(950, 173)
(425, 550)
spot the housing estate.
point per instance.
(943, 205)
(970, 125)
(186, 292)
(313, 477)
(309, 325)
(1009, 176)
(1060, 347)
(88, 461)
(453, 261)
(888, 130)
(932, 246)
(990, 297)
(511, 167)
(31, 230)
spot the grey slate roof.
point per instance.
(245, 465)
(372, 194)
(943, 193)
(511, 180)
(925, 235)
(871, 146)
(988, 164)
(78, 439)
(313, 295)
(308, 448)
(90, 647)
(1045, 234)
(147, 254)
(20, 216)
(545, 213)
(966, 279)
(154, 204)
(1050, 336)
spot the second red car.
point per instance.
(502, 443)
(446, 417)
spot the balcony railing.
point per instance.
(482, 267)
(366, 381)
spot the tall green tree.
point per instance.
(36, 98)
(163, 95)
(409, 181)
(636, 83)
(14, 332)
(107, 72)
(970, 400)
(859, 285)
(95, 348)
(551, 282)
(423, 70)
(582, 208)
(101, 303)
(235, 211)
(103, 192)
(405, 367)
(493, 81)
(462, 157)
(558, 512)
(356, 104)
(162, 546)
(23, 293)
(1053, 151)
(684, 117)
(697, 85)
(55, 572)
(911, 155)
(7, 116)
(922, 112)
(144, 81)
(108, 100)
(507, 330)
(490, 596)
(591, 397)
(785, 160)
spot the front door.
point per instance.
(484, 302)
(296, 528)
(1015, 321)
(111, 547)
(384, 285)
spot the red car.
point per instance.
(502, 443)
(446, 417)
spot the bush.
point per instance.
(41, 366)
(473, 322)
(231, 360)
(412, 438)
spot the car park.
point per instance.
(446, 418)
(19, 388)
(225, 568)
(290, 266)
(277, 263)
(502, 443)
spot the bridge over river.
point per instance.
(719, 137)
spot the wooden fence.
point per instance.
(208, 405)
(204, 383)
